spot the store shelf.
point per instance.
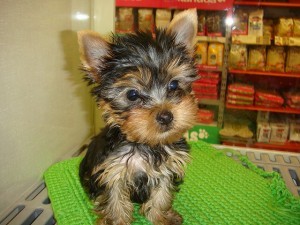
(265, 73)
(267, 4)
(258, 108)
(209, 68)
(209, 101)
(288, 146)
(250, 39)
(211, 39)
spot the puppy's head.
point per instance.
(144, 83)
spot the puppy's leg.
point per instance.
(159, 207)
(118, 208)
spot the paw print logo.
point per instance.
(203, 134)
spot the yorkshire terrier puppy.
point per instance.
(143, 84)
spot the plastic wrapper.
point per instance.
(201, 53)
(163, 18)
(240, 88)
(292, 98)
(293, 60)
(214, 23)
(296, 29)
(146, 19)
(201, 23)
(240, 24)
(276, 59)
(255, 22)
(284, 27)
(205, 116)
(124, 20)
(268, 98)
(215, 54)
(268, 29)
(257, 58)
(238, 57)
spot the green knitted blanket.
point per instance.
(216, 190)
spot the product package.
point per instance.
(240, 24)
(205, 116)
(201, 23)
(124, 20)
(255, 23)
(268, 98)
(268, 29)
(296, 28)
(207, 86)
(162, 18)
(263, 132)
(294, 131)
(276, 59)
(238, 57)
(257, 58)
(201, 53)
(240, 88)
(284, 27)
(240, 94)
(146, 20)
(279, 132)
(214, 23)
(292, 98)
(293, 59)
(215, 54)
(263, 116)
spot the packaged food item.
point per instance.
(268, 28)
(238, 57)
(240, 88)
(236, 128)
(263, 132)
(295, 131)
(240, 97)
(284, 27)
(257, 58)
(201, 23)
(292, 98)
(276, 59)
(268, 98)
(215, 54)
(240, 24)
(214, 23)
(279, 132)
(255, 22)
(296, 28)
(162, 18)
(146, 20)
(239, 102)
(205, 116)
(293, 59)
(263, 116)
(201, 53)
(124, 20)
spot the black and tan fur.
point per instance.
(143, 85)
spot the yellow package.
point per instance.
(215, 54)
(268, 28)
(201, 53)
(163, 18)
(284, 27)
(296, 30)
(293, 60)
(276, 59)
(238, 57)
(257, 58)
(146, 19)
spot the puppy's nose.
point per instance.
(164, 117)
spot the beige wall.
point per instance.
(45, 108)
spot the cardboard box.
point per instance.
(279, 132)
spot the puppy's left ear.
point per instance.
(93, 49)
(184, 26)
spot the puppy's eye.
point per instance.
(173, 85)
(133, 95)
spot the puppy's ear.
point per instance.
(184, 26)
(93, 49)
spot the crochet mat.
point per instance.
(216, 190)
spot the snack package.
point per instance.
(236, 128)
(268, 28)
(276, 59)
(145, 19)
(215, 54)
(292, 98)
(240, 97)
(205, 116)
(255, 22)
(296, 29)
(293, 59)
(284, 27)
(201, 53)
(214, 23)
(238, 57)
(124, 20)
(279, 132)
(163, 18)
(268, 98)
(240, 88)
(240, 24)
(294, 131)
(263, 132)
(257, 58)
(201, 23)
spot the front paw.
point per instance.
(174, 218)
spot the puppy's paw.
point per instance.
(174, 218)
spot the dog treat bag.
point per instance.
(146, 21)
(296, 30)
(276, 59)
(124, 20)
(284, 27)
(238, 57)
(163, 17)
(268, 28)
(201, 23)
(201, 53)
(257, 58)
(255, 23)
(240, 25)
(215, 54)
(214, 23)
(293, 60)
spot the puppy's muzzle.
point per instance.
(164, 117)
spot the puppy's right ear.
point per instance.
(93, 49)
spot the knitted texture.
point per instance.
(216, 190)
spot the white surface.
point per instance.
(45, 108)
